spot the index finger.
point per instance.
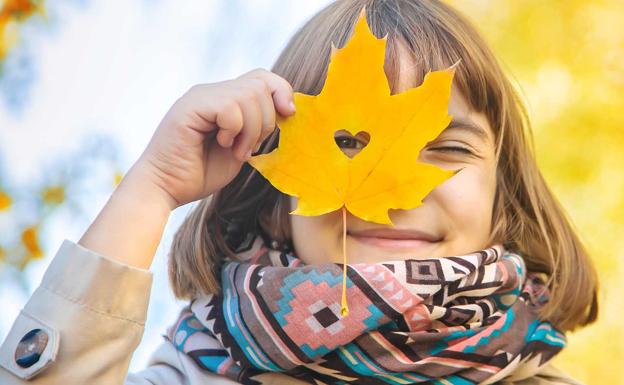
(280, 89)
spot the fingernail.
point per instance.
(292, 106)
(248, 155)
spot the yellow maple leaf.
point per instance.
(356, 97)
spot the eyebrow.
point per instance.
(469, 125)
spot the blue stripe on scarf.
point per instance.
(230, 311)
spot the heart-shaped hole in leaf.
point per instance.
(350, 144)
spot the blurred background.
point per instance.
(84, 83)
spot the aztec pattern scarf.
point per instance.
(468, 319)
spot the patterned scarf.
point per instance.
(468, 319)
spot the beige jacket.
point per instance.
(86, 319)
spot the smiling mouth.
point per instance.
(392, 243)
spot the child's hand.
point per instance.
(203, 140)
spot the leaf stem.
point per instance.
(344, 310)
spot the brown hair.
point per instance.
(526, 217)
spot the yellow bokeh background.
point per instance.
(568, 59)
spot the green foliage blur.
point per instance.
(568, 59)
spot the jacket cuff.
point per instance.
(99, 283)
(86, 305)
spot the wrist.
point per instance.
(140, 184)
(130, 226)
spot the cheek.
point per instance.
(313, 236)
(467, 199)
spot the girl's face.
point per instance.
(454, 219)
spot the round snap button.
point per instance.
(30, 348)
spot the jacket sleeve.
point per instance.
(81, 325)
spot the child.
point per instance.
(489, 257)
